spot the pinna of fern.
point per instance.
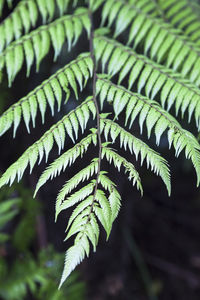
(37, 43)
(153, 78)
(126, 81)
(164, 43)
(25, 16)
(184, 15)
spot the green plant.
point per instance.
(38, 277)
(135, 59)
(21, 273)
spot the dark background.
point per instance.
(154, 248)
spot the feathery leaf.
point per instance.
(50, 91)
(153, 78)
(154, 161)
(41, 148)
(153, 115)
(37, 43)
(163, 42)
(66, 159)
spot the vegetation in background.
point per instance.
(24, 274)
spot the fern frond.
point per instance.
(154, 161)
(74, 256)
(25, 16)
(103, 211)
(62, 203)
(37, 43)
(182, 14)
(163, 42)
(50, 91)
(153, 115)
(168, 68)
(115, 203)
(84, 222)
(148, 7)
(105, 181)
(109, 11)
(151, 77)
(81, 176)
(78, 210)
(71, 184)
(57, 133)
(66, 159)
(120, 161)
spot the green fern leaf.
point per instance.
(74, 256)
(81, 176)
(66, 159)
(119, 161)
(182, 14)
(115, 203)
(161, 60)
(38, 149)
(62, 203)
(145, 108)
(165, 42)
(25, 16)
(104, 211)
(151, 76)
(40, 40)
(49, 91)
(136, 146)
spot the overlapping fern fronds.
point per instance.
(25, 16)
(140, 81)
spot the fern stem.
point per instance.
(91, 42)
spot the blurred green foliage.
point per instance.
(25, 274)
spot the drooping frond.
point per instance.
(154, 116)
(163, 42)
(114, 197)
(63, 203)
(160, 59)
(182, 14)
(57, 133)
(49, 92)
(81, 176)
(37, 43)
(153, 160)
(84, 220)
(71, 184)
(80, 249)
(66, 159)
(120, 161)
(25, 16)
(151, 77)
(106, 182)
